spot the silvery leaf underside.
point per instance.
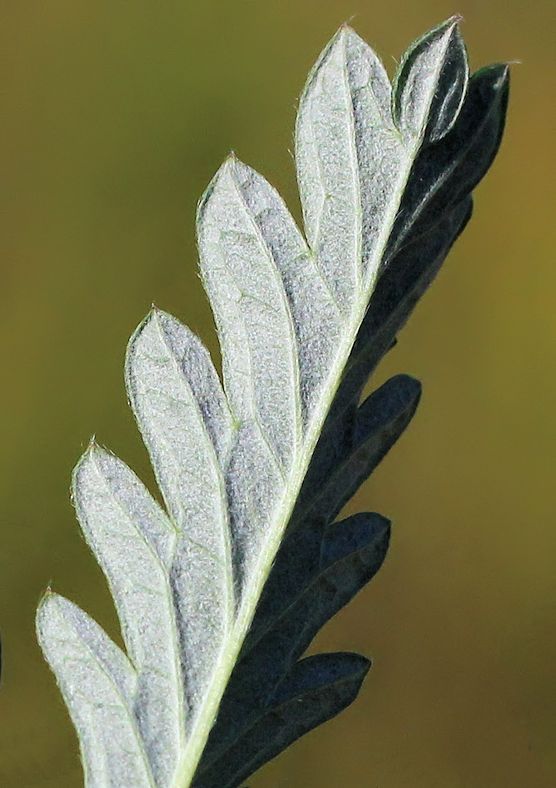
(220, 591)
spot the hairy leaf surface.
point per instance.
(220, 590)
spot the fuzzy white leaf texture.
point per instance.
(220, 589)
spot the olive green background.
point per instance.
(115, 116)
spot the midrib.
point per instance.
(225, 664)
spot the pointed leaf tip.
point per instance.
(430, 84)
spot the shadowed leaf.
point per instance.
(220, 591)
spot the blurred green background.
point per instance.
(116, 115)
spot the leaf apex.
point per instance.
(411, 382)
(505, 71)
(93, 445)
(153, 311)
(451, 23)
(339, 37)
(88, 455)
(346, 29)
(361, 664)
(383, 524)
(48, 599)
(355, 664)
(93, 456)
(46, 595)
(224, 174)
(352, 36)
(155, 315)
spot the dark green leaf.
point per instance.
(318, 688)
(349, 554)
(446, 172)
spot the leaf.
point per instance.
(397, 292)
(220, 590)
(349, 164)
(348, 554)
(445, 173)
(99, 685)
(381, 420)
(375, 427)
(430, 85)
(186, 425)
(318, 569)
(318, 688)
